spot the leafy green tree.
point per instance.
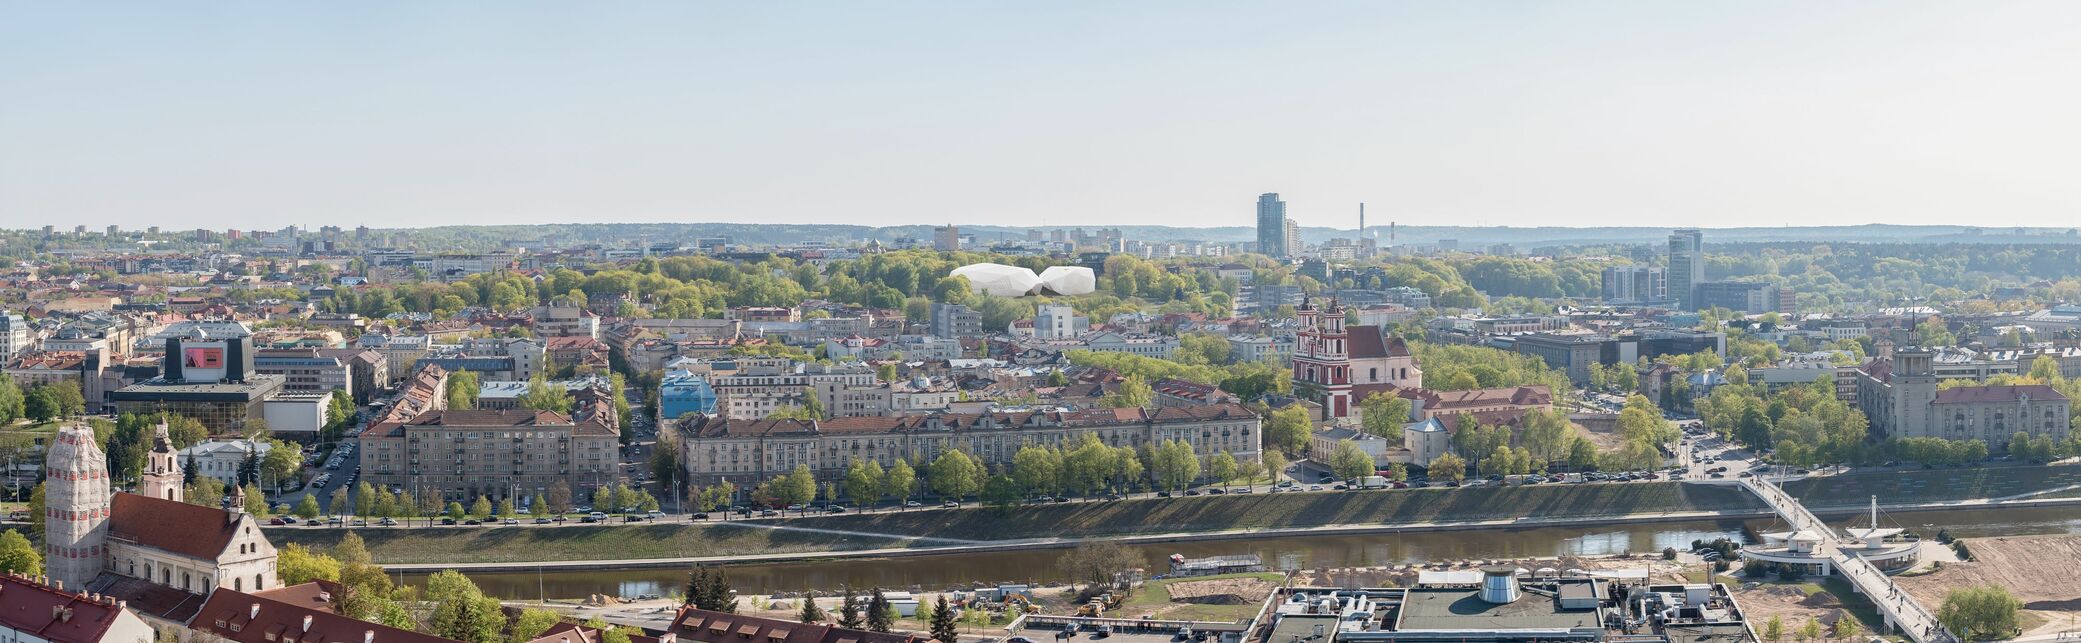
(11, 401)
(1980, 612)
(1448, 467)
(307, 508)
(1350, 462)
(463, 390)
(1287, 429)
(18, 556)
(1000, 492)
(541, 395)
(863, 481)
(1037, 468)
(1222, 468)
(899, 481)
(531, 623)
(461, 611)
(1384, 414)
(954, 474)
(298, 564)
(1133, 393)
(1274, 464)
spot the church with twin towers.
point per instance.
(107, 541)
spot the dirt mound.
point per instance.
(1821, 600)
(2018, 563)
(1222, 591)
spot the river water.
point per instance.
(1286, 552)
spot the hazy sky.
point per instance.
(261, 114)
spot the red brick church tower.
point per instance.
(1322, 359)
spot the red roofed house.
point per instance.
(31, 611)
(694, 625)
(254, 618)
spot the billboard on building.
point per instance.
(202, 357)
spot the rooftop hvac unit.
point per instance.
(1499, 585)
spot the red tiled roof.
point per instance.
(54, 615)
(194, 531)
(701, 626)
(1367, 342)
(1983, 394)
(147, 597)
(317, 594)
(1537, 394)
(247, 618)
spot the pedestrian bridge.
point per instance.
(1811, 542)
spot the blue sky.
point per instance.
(256, 115)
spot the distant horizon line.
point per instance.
(170, 229)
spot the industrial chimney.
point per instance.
(1499, 584)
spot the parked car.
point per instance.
(542, 521)
(654, 514)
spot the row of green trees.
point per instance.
(1084, 466)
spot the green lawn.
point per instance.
(1930, 485)
(1270, 511)
(1155, 596)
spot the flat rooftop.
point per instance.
(256, 385)
(1463, 609)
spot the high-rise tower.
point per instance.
(1686, 266)
(1271, 225)
(162, 475)
(76, 501)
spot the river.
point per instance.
(1289, 552)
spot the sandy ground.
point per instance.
(2042, 571)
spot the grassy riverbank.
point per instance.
(1919, 486)
(520, 544)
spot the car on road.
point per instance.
(542, 521)
(950, 504)
(509, 521)
(701, 516)
(388, 522)
(913, 503)
(654, 515)
(447, 521)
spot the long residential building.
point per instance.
(718, 448)
(501, 454)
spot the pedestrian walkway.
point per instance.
(1898, 607)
